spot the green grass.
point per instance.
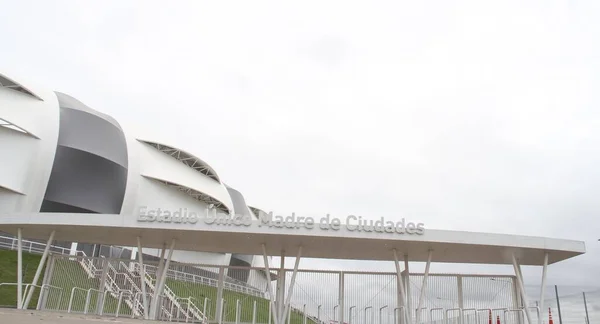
(68, 274)
(8, 274)
(199, 292)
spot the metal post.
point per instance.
(558, 304)
(459, 281)
(140, 256)
(401, 287)
(38, 272)
(423, 287)
(237, 311)
(163, 275)
(341, 297)
(350, 315)
(154, 304)
(521, 288)
(304, 312)
(365, 315)
(47, 279)
(218, 304)
(19, 268)
(293, 280)
(587, 316)
(407, 286)
(334, 312)
(543, 288)
(254, 312)
(319, 314)
(380, 309)
(204, 306)
(281, 290)
(102, 287)
(272, 310)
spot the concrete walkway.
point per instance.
(14, 316)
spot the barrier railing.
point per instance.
(10, 243)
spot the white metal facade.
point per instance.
(159, 175)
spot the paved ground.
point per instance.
(13, 316)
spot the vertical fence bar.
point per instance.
(19, 268)
(219, 303)
(587, 316)
(237, 311)
(341, 297)
(558, 304)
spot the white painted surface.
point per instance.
(27, 161)
(448, 246)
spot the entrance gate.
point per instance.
(194, 293)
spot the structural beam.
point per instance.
(140, 256)
(19, 268)
(160, 274)
(423, 287)
(281, 288)
(269, 285)
(401, 288)
(407, 285)
(543, 288)
(161, 263)
(38, 272)
(521, 288)
(292, 281)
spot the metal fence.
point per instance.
(192, 293)
(571, 305)
(199, 292)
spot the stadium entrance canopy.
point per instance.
(320, 238)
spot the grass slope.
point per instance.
(8, 274)
(199, 292)
(68, 274)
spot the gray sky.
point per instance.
(464, 115)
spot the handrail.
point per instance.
(73, 290)
(460, 314)
(87, 298)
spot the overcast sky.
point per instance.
(463, 115)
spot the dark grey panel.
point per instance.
(56, 207)
(242, 257)
(86, 132)
(239, 203)
(89, 174)
(237, 273)
(86, 181)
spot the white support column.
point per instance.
(163, 276)
(521, 288)
(543, 288)
(281, 288)
(269, 285)
(154, 302)
(407, 286)
(19, 268)
(401, 288)
(423, 287)
(140, 256)
(38, 272)
(292, 281)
